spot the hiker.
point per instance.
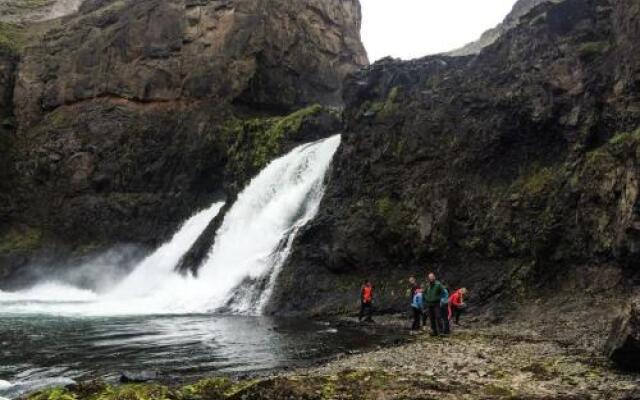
(366, 301)
(413, 287)
(457, 305)
(413, 284)
(416, 308)
(444, 310)
(433, 292)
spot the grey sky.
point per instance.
(415, 28)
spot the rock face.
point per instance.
(129, 115)
(623, 346)
(520, 9)
(276, 55)
(503, 172)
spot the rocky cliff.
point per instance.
(126, 116)
(513, 172)
(520, 9)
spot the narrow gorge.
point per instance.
(201, 186)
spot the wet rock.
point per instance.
(623, 345)
(138, 376)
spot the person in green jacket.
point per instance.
(432, 294)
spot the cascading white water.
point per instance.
(240, 270)
(143, 282)
(256, 235)
(63, 7)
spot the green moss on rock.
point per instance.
(253, 143)
(606, 157)
(214, 388)
(20, 240)
(591, 50)
(11, 38)
(536, 182)
(54, 394)
(366, 383)
(397, 215)
(624, 140)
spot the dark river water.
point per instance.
(40, 350)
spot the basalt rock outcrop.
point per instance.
(128, 115)
(508, 172)
(623, 345)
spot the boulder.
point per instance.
(623, 345)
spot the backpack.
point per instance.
(418, 300)
(444, 297)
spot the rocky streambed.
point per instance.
(527, 354)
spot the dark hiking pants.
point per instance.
(417, 314)
(455, 313)
(444, 319)
(434, 316)
(366, 311)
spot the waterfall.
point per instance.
(63, 7)
(256, 236)
(240, 271)
(146, 278)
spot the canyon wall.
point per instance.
(513, 172)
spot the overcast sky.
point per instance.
(415, 28)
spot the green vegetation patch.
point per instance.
(397, 215)
(362, 384)
(20, 239)
(257, 141)
(619, 146)
(591, 50)
(214, 388)
(54, 394)
(625, 140)
(11, 38)
(383, 109)
(538, 181)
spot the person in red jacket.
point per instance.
(457, 304)
(366, 301)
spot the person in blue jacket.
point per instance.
(444, 310)
(417, 303)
